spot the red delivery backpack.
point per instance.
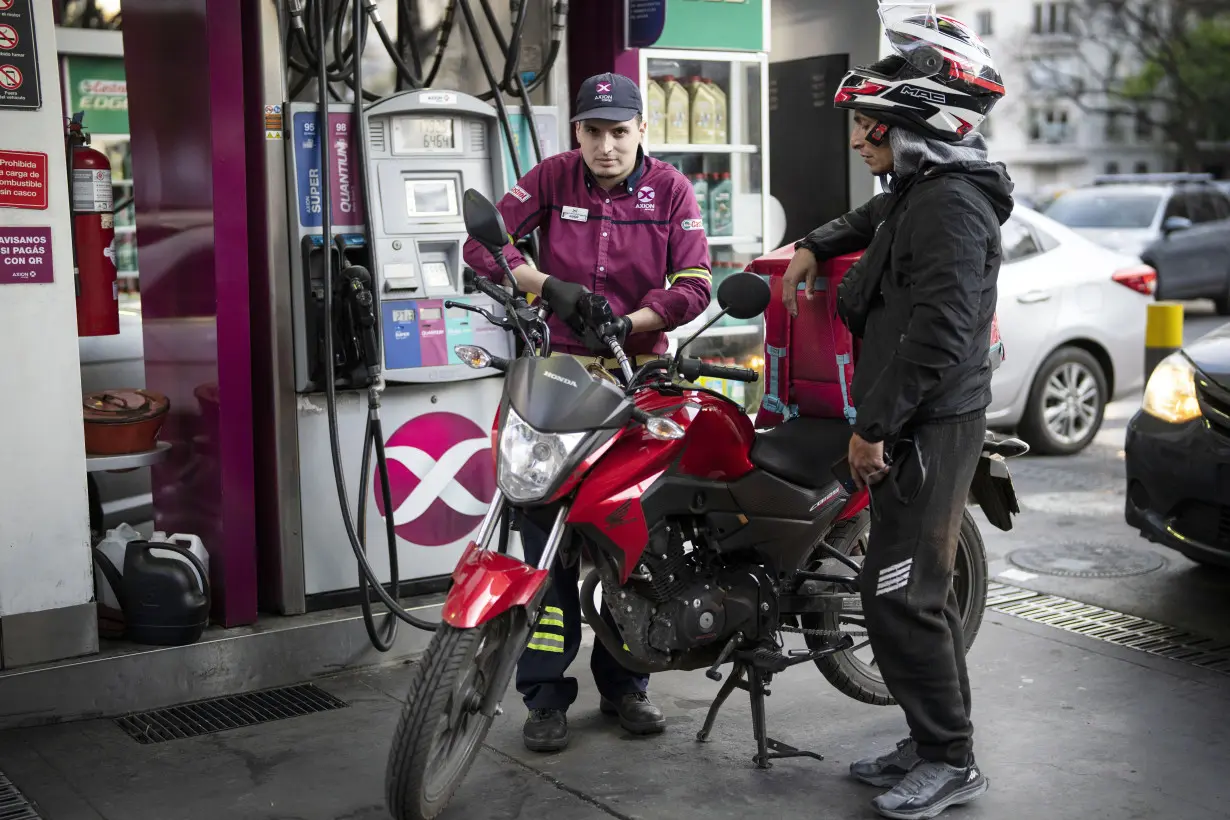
(810, 358)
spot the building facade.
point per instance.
(1050, 133)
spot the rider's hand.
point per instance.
(867, 465)
(563, 298)
(803, 266)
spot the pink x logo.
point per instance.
(604, 88)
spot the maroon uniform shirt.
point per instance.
(641, 244)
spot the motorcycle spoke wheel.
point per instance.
(441, 727)
(855, 672)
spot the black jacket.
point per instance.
(922, 297)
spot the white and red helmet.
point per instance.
(941, 80)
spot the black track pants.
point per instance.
(907, 591)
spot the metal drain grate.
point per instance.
(230, 712)
(13, 804)
(1109, 626)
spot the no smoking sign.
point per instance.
(19, 80)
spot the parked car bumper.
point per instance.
(1178, 486)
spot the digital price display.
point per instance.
(415, 135)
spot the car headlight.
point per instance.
(1170, 394)
(530, 460)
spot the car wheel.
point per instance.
(1066, 403)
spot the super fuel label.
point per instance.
(307, 165)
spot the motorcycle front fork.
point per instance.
(523, 622)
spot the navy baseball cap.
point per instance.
(608, 96)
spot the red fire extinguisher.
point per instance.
(93, 232)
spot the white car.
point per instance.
(1072, 317)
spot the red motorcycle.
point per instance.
(711, 542)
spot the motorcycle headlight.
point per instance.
(531, 461)
(1170, 394)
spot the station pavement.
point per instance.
(1066, 727)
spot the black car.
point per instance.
(1178, 453)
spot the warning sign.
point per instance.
(273, 122)
(25, 255)
(23, 180)
(19, 84)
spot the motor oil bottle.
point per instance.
(700, 186)
(720, 105)
(678, 110)
(657, 114)
(700, 124)
(721, 216)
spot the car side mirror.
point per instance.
(1174, 224)
(744, 295)
(483, 221)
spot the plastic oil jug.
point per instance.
(700, 123)
(721, 217)
(163, 600)
(115, 548)
(657, 114)
(719, 112)
(700, 186)
(678, 109)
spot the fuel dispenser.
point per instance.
(424, 149)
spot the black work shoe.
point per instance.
(929, 789)
(889, 769)
(545, 730)
(637, 714)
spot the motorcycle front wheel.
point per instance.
(855, 672)
(441, 727)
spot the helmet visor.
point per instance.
(913, 30)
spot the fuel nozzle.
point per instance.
(357, 292)
(296, 12)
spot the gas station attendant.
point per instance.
(618, 223)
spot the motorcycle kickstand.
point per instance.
(735, 681)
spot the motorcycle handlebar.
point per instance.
(693, 369)
(488, 288)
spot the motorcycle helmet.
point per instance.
(940, 80)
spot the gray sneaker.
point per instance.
(929, 789)
(888, 770)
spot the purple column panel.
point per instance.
(184, 65)
(596, 45)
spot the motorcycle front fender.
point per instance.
(993, 491)
(488, 584)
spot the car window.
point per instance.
(1221, 205)
(1201, 208)
(1178, 206)
(1086, 208)
(1017, 241)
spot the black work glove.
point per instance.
(564, 299)
(618, 328)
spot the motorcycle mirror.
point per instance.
(483, 221)
(744, 295)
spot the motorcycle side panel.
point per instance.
(784, 521)
(488, 584)
(715, 446)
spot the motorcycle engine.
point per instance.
(694, 603)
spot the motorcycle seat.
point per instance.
(803, 450)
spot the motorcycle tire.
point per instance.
(862, 681)
(419, 786)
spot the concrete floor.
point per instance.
(1067, 727)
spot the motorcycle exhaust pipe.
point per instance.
(609, 639)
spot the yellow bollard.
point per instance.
(1163, 333)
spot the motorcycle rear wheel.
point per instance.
(860, 679)
(441, 728)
